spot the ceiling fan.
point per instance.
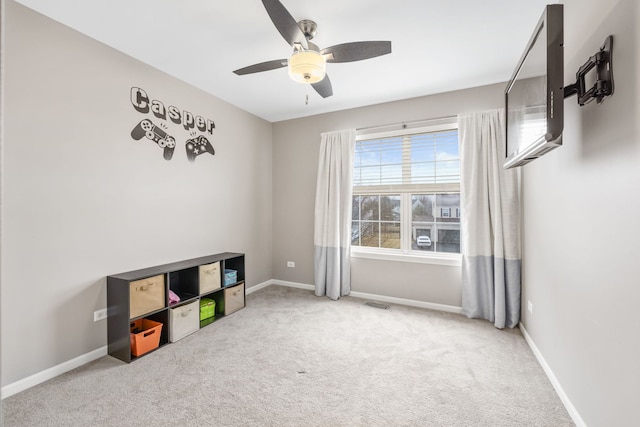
(307, 63)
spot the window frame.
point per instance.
(406, 191)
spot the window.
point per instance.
(406, 191)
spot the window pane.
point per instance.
(448, 171)
(423, 173)
(391, 174)
(422, 153)
(368, 175)
(448, 208)
(355, 208)
(435, 222)
(421, 237)
(448, 158)
(422, 207)
(370, 234)
(435, 157)
(391, 152)
(390, 208)
(378, 162)
(357, 176)
(370, 206)
(390, 235)
(449, 241)
(355, 233)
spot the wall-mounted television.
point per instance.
(534, 96)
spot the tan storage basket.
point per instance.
(209, 277)
(146, 295)
(233, 298)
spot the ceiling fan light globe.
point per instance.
(307, 66)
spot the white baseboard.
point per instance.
(409, 302)
(573, 412)
(47, 374)
(294, 285)
(375, 297)
(257, 287)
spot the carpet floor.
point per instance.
(292, 359)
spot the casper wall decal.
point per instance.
(155, 131)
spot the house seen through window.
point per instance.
(406, 190)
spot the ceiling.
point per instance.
(437, 46)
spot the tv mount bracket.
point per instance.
(603, 85)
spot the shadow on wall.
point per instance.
(603, 131)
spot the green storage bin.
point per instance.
(207, 308)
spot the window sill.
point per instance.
(437, 258)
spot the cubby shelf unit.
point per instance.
(183, 278)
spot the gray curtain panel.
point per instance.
(490, 224)
(332, 223)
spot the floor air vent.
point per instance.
(377, 305)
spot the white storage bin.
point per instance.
(184, 320)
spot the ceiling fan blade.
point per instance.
(356, 51)
(284, 22)
(263, 66)
(323, 87)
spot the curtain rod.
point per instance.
(405, 124)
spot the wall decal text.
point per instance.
(143, 104)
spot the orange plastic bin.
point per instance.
(145, 336)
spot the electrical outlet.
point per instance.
(291, 264)
(99, 314)
(530, 307)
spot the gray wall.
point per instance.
(295, 159)
(81, 199)
(581, 232)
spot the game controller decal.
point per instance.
(198, 146)
(157, 135)
(156, 131)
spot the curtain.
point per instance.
(490, 227)
(332, 225)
